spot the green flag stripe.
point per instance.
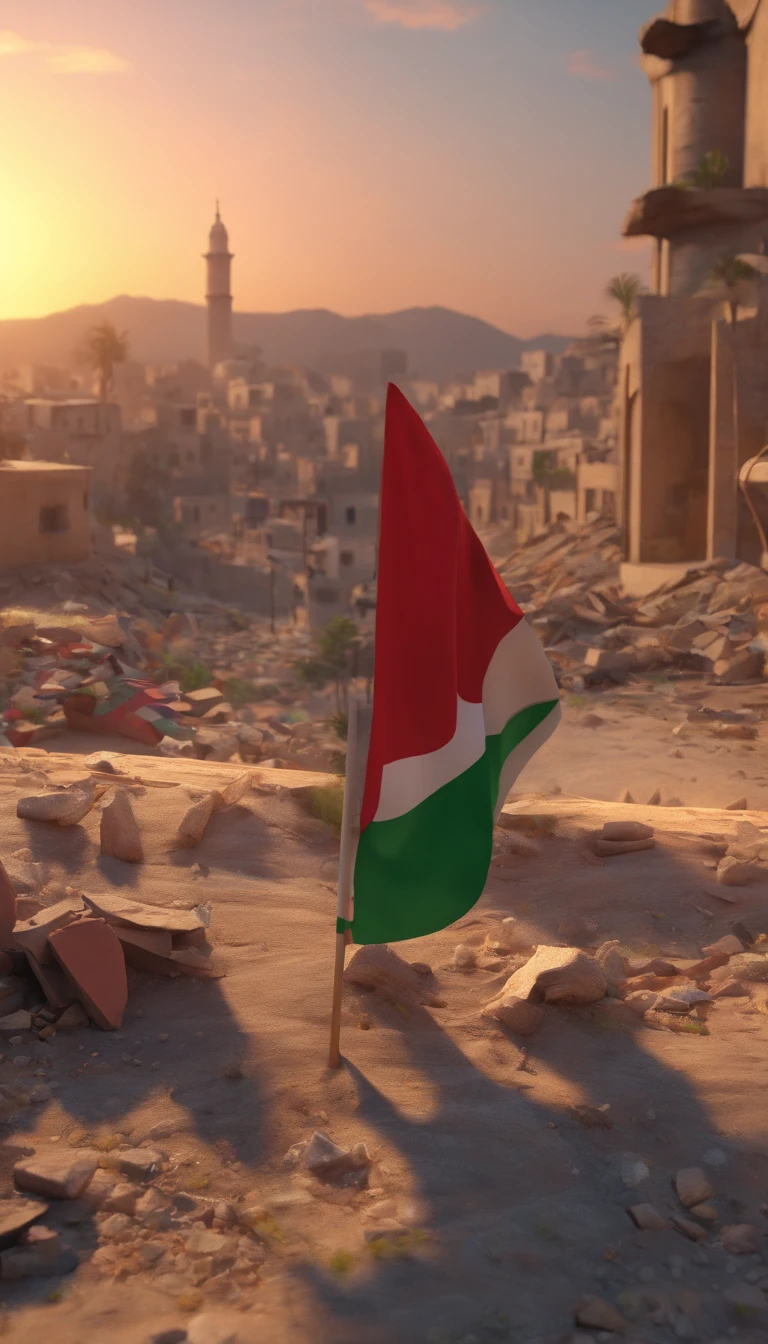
(420, 872)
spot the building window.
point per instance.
(54, 518)
(346, 557)
(351, 516)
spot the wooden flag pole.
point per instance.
(350, 820)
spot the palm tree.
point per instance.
(732, 274)
(104, 348)
(625, 290)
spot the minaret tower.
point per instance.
(219, 293)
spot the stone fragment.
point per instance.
(21, 1020)
(749, 966)
(706, 1212)
(626, 830)
(234, 791)
(39, 1255)
(596, 1314)
(693, 1231)
(692, 1186)
(114, 1225)
(326, 1160)
(56, 1173)
(741, 1239)
(193, 823)
(741, 932)
(730, 989)
(139, 1163)
(647, 1218)
(605, 848)
(733, 872)
(519, 1015)
(90, 953)
(31, 935)
(613, 963)
(66, 807)
(118, 909)
(421, 968)
(655, 798)
(656, 966)
(214, 1328)
(203, 700)
(8, 908)
(379, 968)
(73, 1017)
(16, 1215)
(100, 1187)
(738, 804)
(121, 1198)
(626, 797)
(729, 946)
(120, 835)
(681, 1000)
(557, 974)
(700, 970)
(641, 1001)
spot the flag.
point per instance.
(463, 696)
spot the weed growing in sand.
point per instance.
(397, 1248)
(328, 804)
(341, 1262)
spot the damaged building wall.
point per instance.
(44, 513)
(739, 428)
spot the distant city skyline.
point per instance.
(370, 155)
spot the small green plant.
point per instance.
(341, 1262)
(339, 724)
(236, 619)
(328, 804)
(709, 173)
(190, 674)
(240, 691)
(311, 672)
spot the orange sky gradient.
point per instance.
(369, 154)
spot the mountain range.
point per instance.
(440, 342)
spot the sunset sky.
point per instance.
(370, 155)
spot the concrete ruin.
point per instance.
(694, 363)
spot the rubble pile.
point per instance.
(712, 622)
(76, 951)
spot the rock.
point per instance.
(214, 1328)
(741, 1239)
(101, 1186)
(66, 807)
(193, 823)
(728, 946)
(519, 1015)
(557, 974)
(700, 970)
(120, 835)
(647, 1218)
(614, 964)
(656, 966)
(73, 1017)
(118, 909)
(121, 1198)
(626, 830)
(327, 1161)
(31, 935)
(421, 968)
(741, 932)
(38, 1256)
(692, 1186)
(90, 953)
(749, 966)
(634, 1171)
(596, 1314)
(234, 791)
(115, 1224)
(8, 908)
(13, 1022)
(706, 1212)
(203, 1241)
(733, 872)
(56, 1173)
(739, 804)
(730, 989)
(681, 1000)
(203, 700)
(747, 1298)
(744, 665)
(464, 958)
(380, 969)
(626, 797)
(16, 1215)
(605, 848)
(139, 1163)
(641, 1001)
(40, 1094)
(689, 1229)
(655, 798)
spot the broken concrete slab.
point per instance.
(90, 953)
(56, 1173)
(203, 700)
(120, 835)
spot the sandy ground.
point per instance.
(517, 1209)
